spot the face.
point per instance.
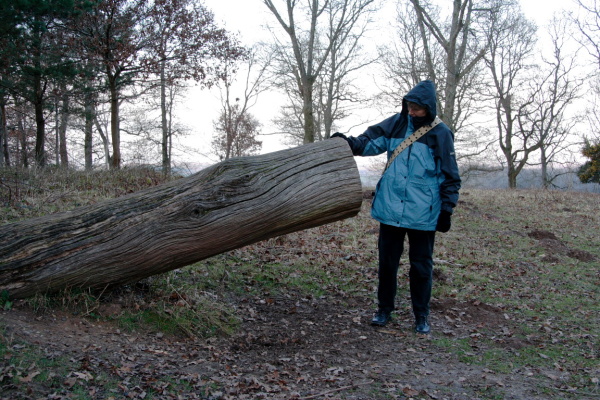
(415, 110)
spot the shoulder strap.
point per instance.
(416, 135)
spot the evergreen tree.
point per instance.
(37, 53)
(590, 171)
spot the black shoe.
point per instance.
(381, 318)
(422, 325)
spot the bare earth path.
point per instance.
(287, 348)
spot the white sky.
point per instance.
(247, 18)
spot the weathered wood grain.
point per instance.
(229, 205)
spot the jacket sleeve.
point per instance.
(375, 139)
(451, 184)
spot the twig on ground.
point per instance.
(314, 396)
(444, 262)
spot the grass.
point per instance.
(489, 256)
(5, 302)
(552, 295)
(26, 364)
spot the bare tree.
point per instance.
(447, 49)
(512, 43)
(462, 47)
(102, 123)
(290, 122)
(338, 95)
(553, 92)
(403, 59)
(236, 132)
(189, 46)
(588, 26)
(309, 50)
(236, 128)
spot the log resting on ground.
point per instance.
(226, 206)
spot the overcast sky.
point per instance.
(248, 18)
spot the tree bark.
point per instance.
(40, 120)
(226, 206)
(23, 138)
(166, 160)
(88, 149)
(62, 131)
(115, 130)
(5, 156)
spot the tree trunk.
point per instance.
(5, 157)
(23, 138)
(309, 117)
(544, 164)
(40, 136)
(226, 206)
(62, 130)
(89, 131)
(104, 138)
(166, 161)
(512, 177)
(115, 130)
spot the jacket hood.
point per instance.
(423, 94)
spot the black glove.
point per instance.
(350, 140)
(340, 135)
(443, 223)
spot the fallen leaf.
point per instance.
(70, 382)
(410, 391)
(29, 377)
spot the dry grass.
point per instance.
(35, 192)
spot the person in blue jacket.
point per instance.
(415, 197)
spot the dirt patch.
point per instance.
(472, 313)
(542, 235)
(555, 247)
(474, 210)
(581, 255)
(287, 348)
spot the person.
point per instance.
(415, 197)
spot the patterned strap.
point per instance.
(411, 139)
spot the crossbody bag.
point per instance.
(416, 135)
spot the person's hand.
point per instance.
(444, 223)
(350, 140)
(340, 135)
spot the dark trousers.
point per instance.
(420, 254)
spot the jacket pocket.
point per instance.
(419, 205)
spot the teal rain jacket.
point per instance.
(424, 178)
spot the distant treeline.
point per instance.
(528, 179)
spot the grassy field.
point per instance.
(517, 289)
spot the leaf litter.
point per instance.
(295, 345)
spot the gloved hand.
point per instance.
(350, 140)
(444, 223)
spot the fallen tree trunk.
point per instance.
(229, 205)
